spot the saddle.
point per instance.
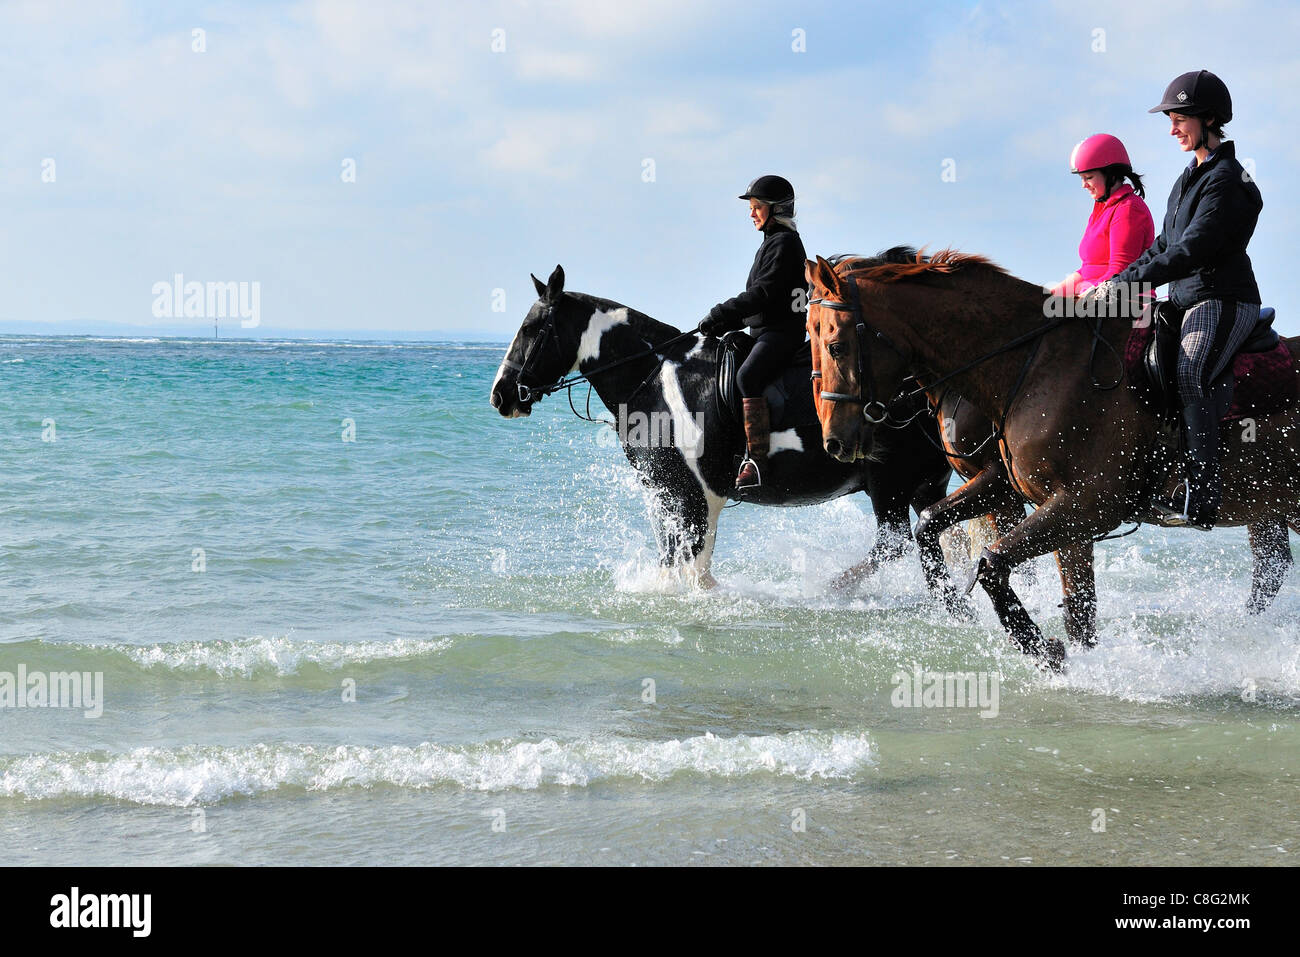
(789, 396)
(1259, 380)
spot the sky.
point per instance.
(387, 169)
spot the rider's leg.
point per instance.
(758, 441)
(1208, 341)
(769, 356)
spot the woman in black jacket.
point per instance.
(772, 305)
(1201, 253)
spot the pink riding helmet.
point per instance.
(1098, 150)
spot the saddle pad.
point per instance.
(1264, 382)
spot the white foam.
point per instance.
(201, 775)
(280, 655)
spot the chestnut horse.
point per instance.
(1089, 458)
(966, 436)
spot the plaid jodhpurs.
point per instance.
(1200, 323)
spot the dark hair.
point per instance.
(1115, 174)
(1213, 125)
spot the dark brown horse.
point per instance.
(1090, 458)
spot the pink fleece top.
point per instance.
(1118, 232)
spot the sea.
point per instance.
(325, 606)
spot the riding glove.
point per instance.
(716, 325)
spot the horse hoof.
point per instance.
(843, 582)
(1053, 657)
(958, 605)
(851, 578)
(707, 581)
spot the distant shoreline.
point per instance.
(305, 336)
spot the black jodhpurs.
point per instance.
(770, 355)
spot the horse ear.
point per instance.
(555, 285)
(826, 276)
(539, 286)
(809, 271)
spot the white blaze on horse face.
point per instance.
(695, 349)
(599, 323)
(501, 369)
(785, 441)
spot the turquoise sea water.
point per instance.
(487, 591)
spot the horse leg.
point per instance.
(1271, 549)
(978, 496)
(1007, 517)
(928, 544)
(682, 524)
(704, 554)
(993, 572)
(893, 532)
(1079, 587)
(1062, 521)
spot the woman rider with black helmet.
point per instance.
(1201, 253)
(773, 308)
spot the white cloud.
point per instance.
(555, 66)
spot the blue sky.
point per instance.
(475, 167)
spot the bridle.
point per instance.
(873, 410)
(547, 334)
(1034, 336)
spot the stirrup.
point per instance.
(758, 475)
(1171, 516)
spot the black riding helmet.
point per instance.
(1196, 93)
(776, 191)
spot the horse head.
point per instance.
(542, 352)
(853, 381)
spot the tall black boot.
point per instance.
(1201, 505)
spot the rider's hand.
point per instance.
(715, 324)
(1106, 295)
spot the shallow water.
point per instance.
(489, 590)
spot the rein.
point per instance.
(1035, 335)
(534, 393)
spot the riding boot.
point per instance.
(1201, 503)
(757, 442)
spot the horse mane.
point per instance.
(646, 325)
(906, 262)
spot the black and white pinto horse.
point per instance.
(662, 387)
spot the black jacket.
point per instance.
(1201, 252)
(769, 302)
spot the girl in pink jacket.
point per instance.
(1120, 228)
